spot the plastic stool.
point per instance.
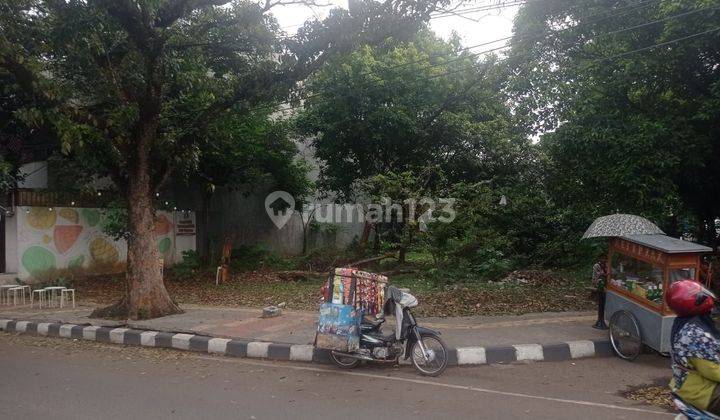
(52, 296)
(5, 294)
(63, 296)
(14, 292)
(41, 297)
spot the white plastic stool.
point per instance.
(5, 294)
(63, 296)
(15, 291)
(41, 297)
(52, 292)
(27, 289)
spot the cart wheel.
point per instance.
(625, 335)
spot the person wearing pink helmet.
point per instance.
(695, 346)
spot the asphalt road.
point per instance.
(43, 378)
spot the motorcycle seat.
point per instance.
(384, 336)
(372, 321)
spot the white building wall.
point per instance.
(34, 175)
(11, 257)
(245, 220)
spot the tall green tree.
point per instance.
(403, 106)
(133, 87)
(415, 119)
(625, 95)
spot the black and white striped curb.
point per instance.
(298, 352)
(533, 352)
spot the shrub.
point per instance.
(189, 266)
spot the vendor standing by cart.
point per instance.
(599, 273)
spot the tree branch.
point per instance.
(130, 17)
(269, 4)
(24, 76)
(177, 9)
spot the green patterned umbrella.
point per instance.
(621, 225)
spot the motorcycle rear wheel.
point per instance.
(437, 365)
(344, 362)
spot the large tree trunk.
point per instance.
(146, 296)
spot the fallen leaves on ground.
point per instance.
(534, 278)
(501, 301)
(538, 292)
(657, 395)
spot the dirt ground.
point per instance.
(519, 293)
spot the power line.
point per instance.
(442, 14)
(624, 10)
(666, 18)
(662, 44)
(461, 12)
(598, 60)
(477, 54)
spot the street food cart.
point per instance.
(640, 268)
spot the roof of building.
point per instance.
(667, 244)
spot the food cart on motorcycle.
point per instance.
(640, 269)
(351, 320)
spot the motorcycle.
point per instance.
(423, 346)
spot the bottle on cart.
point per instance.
(337, 291)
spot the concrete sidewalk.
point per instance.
(297, 327)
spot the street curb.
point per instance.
(299, 352)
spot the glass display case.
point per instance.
(641, 267)
(641, 278)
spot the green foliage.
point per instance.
(7, 177)
(189, 267)
(323, 228)
(631, 133)
(55, 281)
(137, 90)
(404, 106)
(257, 257)
(115, 222)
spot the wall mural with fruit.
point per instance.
(59, 239)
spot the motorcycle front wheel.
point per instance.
(343, 362)
(437, 355)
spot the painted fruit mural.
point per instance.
(66, 236)
(70, 215)
(91, 216)
(102, 251)
(41, 218)
(38, 260)
(164, 245)
(62, 238)
(162, 225)
(76, 262)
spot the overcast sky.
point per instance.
(485, 25)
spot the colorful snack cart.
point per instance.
(348, 294)
(640, 269)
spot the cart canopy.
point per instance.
(667, 244)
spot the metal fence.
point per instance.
(48, 198)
